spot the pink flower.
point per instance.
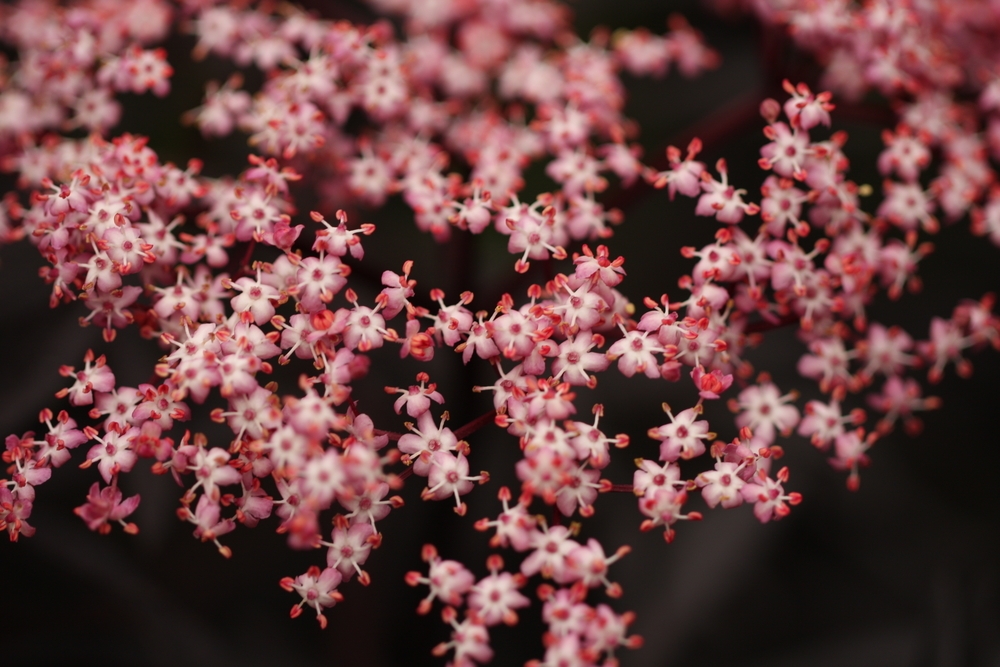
(425, 440)
(95, 376)
(104, 505)
(684, 176)
(551, 547)
(255, 303)
(824, 422)
(448, 580)
(786, 151)
(806, 110)
(683, 436)
(589, 565)
(769, 497)
(722, 486)
(663, 507)
(634, 353)
(114, 453)
(209, 525)
(722, 200)
(470, 640)
(599, 266)
(766, 413)
(494, 598)
(14, 513)
(448, 476)
(513, 526)
(417, 398)
(710, 385)
(350, 548)
(317, 589)
(850, 454)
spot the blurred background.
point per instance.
(905, 571)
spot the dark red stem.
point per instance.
(471, 427)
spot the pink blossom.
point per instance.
(114, 452)
(722, 486)
(417, 398)
(448, 580)
(448, 476)
(494, 598)
(635, 354)
(769, 497)
(722, 200)
(683, 436)
(105, 505)
(766, 413)
(513, 526)
(551, 547)
(425, 440)
(96, 376)
(255, 303)
(317, 589)
(710, 385)
(350, 548)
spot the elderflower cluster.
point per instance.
(448, 116)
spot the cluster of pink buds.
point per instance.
(450, 114)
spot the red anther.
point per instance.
(853, 482)
(321, 320)
(494, 563)
(448, 614)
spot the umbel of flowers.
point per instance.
(231, 279)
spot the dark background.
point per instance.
(903, 572)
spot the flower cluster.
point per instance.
(231, 280)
